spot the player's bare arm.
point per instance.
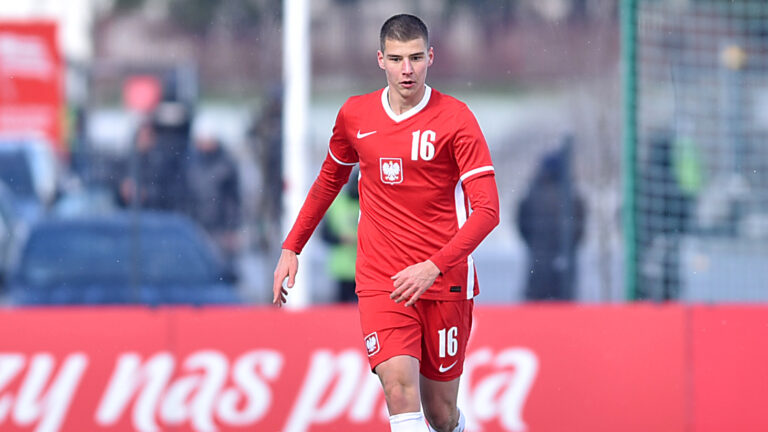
(411, 282)
(287, 266)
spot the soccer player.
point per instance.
(427, 199)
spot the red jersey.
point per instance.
(415, 172)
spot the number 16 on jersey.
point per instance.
(423, 145)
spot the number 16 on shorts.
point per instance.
(448, 342)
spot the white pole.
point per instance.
(296, 76)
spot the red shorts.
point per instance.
(433, 331)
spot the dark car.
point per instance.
(122, 258)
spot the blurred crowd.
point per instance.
(169, 167)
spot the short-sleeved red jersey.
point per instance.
(413, 167)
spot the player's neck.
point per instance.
(400, 104)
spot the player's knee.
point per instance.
(400, 394)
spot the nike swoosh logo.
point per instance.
(446, 369)
(363, 135)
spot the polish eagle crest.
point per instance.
(391, 170)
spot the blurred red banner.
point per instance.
(31, 80)
(528, 368)
(142, 93)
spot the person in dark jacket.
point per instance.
(266, 141)
(671, 177)
(214, 190)
(145, 182)
(551, 222)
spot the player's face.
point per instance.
(405, 64)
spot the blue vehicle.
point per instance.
(140, 257)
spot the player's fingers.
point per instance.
(275, 291)
(279, 298)
(409, 296)
(401, 286)
(398, 286)
(414, 297)
(394, 294)
(404, 294)
(277, 284)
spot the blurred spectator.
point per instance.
(551, 221)
(266, 140)
(214, 192)
(671, 180)
(340, 232)
(145, 184)
(172, 122)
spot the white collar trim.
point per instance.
(411, 112)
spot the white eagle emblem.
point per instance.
(372, 344)
(391, 170)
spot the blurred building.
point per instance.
(523, 40)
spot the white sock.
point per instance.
(462, 421)
(459, 428)
(408, 422)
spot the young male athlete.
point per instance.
(427, 199)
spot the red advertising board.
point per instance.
(31, 76)
(528, 368)
(729, 360)
(598, 368)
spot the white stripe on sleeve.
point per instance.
(340, 162)
(476, 171)
(461, 219)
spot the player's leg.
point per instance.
(392, 337)
(439, 401)
(447, 326)
(399, 378)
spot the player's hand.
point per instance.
(287, 266)
(411, 282)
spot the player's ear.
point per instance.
(430, 56)
(380, 57)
